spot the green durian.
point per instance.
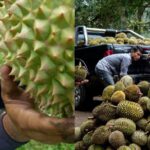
(80, 72)
(119, 86)
(87, 126)
(134, 146)
(117, 139)
(144, 87)
(87, 138)
(37, 39)
(139, 137)
(120, 40)
(130, 110)
(109, 148)
(124, 148)
(143, 101)
(95, 147)
(104, 112)
(100, 135)
(121, 35)
(110, 123)
(117, 97)
(132, 93)
(111, 40)
(127, 126)
(147, 127)
(142, 123)
(107, 92)
(148, 142)
(127, 80)
(80, 146)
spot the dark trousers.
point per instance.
(105, 76)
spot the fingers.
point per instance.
(81, 82)
(7, 83)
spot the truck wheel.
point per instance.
(80, 94)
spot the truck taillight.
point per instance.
(108, 52)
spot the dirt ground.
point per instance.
(80, 116)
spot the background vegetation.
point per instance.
(117, 14)
(32, 145)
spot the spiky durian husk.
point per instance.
(139, 137)
(37, 40)
(130, 110)
(127, 126)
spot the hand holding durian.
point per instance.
(23, 122)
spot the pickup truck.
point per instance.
(89, 55)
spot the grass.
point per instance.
(33, 145)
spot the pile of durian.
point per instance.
(121, 121)
(120, 38)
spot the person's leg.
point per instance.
(105, 76)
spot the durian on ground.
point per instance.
(37, 41)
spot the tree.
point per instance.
(118, 14)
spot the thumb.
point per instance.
(7, 83)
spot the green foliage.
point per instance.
(118, 14)
(39, 146)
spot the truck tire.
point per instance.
(80, 95)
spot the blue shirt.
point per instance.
(115, 64)
(6, 142)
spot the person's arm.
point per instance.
(23, 122)
(124, 66)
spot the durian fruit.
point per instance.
(148, 142)
(95, 147)
(134, 146)
(117, 139)
(111, 40)
(121, 35)
(87, 138)
(78, 134)
(140, 41)
(93, 42)
(103, 41)
(148, 105)
(147, 127)
(120, 40)
(127, 126)
(100, 135)
(130, 110)
(80, 72)
(80, 146)
(117, 97)
(107, 92)
(104, 112)
(38, 43)
(139, 137)
(126, 40)
(148, 93)
(144, 87)
(87, 126)
(133, 41)
(142, 123)
(127, 80)
(109, 148)
(143, 101)
(119, 86)
(133, 93)
(124, 148)
(110, 123)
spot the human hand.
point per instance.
(77, 83)
(10, 91)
